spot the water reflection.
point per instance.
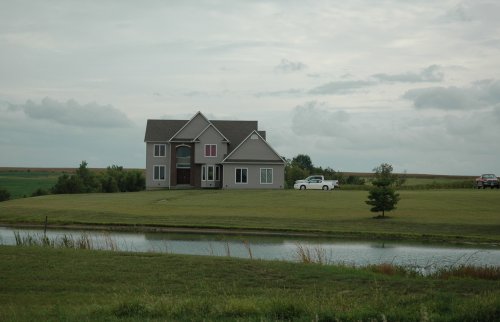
(331, 251)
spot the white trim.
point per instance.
(213, 173)
(246, 139)
(206, 128)
(254, 162)
(182, 128)
(154, 150)
(272, 175)
(205, 151)
(235, 170)
(159, 172)
(205, 170)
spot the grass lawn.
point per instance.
(44, 284)
(462, 214)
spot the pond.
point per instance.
(420, 256)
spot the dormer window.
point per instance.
(210, 150)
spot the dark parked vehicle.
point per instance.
(487, 180)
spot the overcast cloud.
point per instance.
(72, 113)
(413, 83)
(480, 94)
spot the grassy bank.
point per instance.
(451, 215)
(79, 285)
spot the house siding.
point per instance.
(239, 145)
(229, 172)
(152, 161)
(210, 136)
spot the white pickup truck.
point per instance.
(316, 182)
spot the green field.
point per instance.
(44, 284)
(451, 215)
(23, 183)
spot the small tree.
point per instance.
(382, 196)
(4, 194)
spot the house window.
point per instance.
(160, 150)
(210, 173)
(159, 172)
(183, 155)
(266, 176)
(241, 175)
(210, 150)
(217, 173)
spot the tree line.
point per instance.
(301, 166)
(113, 179)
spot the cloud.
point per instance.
(340, 87)
(459, 13)
(71, 112)
(480, 94)
(432, 73)
(312, 118)
(292, 91)
(286, 66)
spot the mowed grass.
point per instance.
(43, 284)
(460, 214)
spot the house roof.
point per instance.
(162, 130)
(206, 128)
(234, 131)
(230, 159)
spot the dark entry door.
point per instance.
(183, 176)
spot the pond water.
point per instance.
(420, 256)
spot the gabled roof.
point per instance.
(174, 137)
(231, 156)
(216, 129)
(234, 131)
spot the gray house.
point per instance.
(203, 153)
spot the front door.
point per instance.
(183, 176)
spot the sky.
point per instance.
(352, 84)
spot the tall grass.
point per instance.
(319, 255)
(84, 241)
(309, 255)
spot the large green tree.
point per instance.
(382, 196)
(303, 161)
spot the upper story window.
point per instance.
(183, 156)
(160, 150)
(210, 150)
